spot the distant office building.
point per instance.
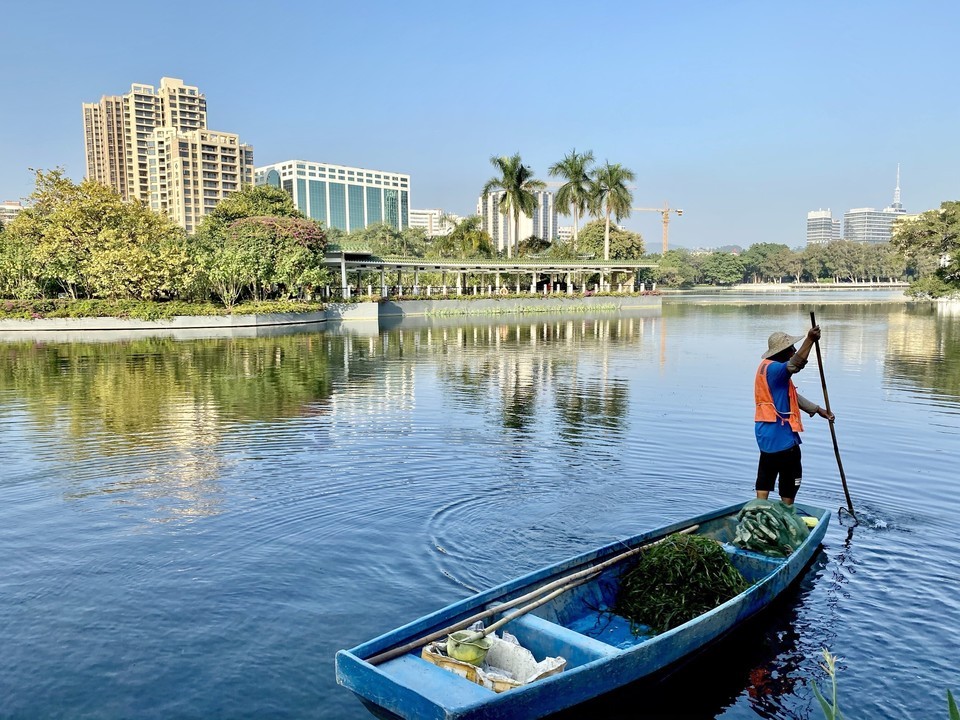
(565, 233)
(543, 224)
(435, 222)
(822, 228)
(343, 197)
(9, 209)
(143, 144)
(867, 225)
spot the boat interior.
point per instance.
(580, 625)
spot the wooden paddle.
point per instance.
(555, 588)
(833, 432)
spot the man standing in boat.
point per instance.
(777, 417)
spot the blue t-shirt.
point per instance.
(776, 436)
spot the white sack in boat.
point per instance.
(507, 665)
(508, 658)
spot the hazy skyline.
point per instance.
(746, 115)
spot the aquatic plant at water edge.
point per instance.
(831, 710)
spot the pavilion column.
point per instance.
(383, 282)
(344, 290)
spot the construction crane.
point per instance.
(665, 214)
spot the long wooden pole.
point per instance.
(833, 432)
(557, 587)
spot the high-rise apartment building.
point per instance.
(190, 172)
(542, 224)
(137, 144)
(822, 228)
(343, 197)
(435, 222)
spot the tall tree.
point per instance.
(575, 192)
(516, 185)
(624, 244)
(611, 196)
(720, 268)
(86, 241)
(766, 261)
(931, 242)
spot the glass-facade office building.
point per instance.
(867, 225)
(343, 197)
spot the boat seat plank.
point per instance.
(548, 639)
(437, 685)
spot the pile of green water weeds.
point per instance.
(676, 580)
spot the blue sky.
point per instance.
(745, 114)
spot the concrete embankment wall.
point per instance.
(108, 329)
(337, 317)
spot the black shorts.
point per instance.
(786, 464)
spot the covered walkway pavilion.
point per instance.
(376, 275)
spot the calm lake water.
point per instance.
(192, 528)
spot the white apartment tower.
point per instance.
(543, 223)
(435, 222)
(132, 142)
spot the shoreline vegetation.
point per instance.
(80, 250)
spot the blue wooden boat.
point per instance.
(601, 651)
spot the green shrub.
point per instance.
(932, 287)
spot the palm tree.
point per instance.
(466, 240)
(610, 195)
(516, 186)
(575, 192)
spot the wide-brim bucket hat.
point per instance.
(780, 341)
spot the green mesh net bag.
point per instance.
(771, 528)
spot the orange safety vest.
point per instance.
(766, 410)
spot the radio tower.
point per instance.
(897, 207)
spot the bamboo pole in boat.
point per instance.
(833, 432)
(555, 588)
